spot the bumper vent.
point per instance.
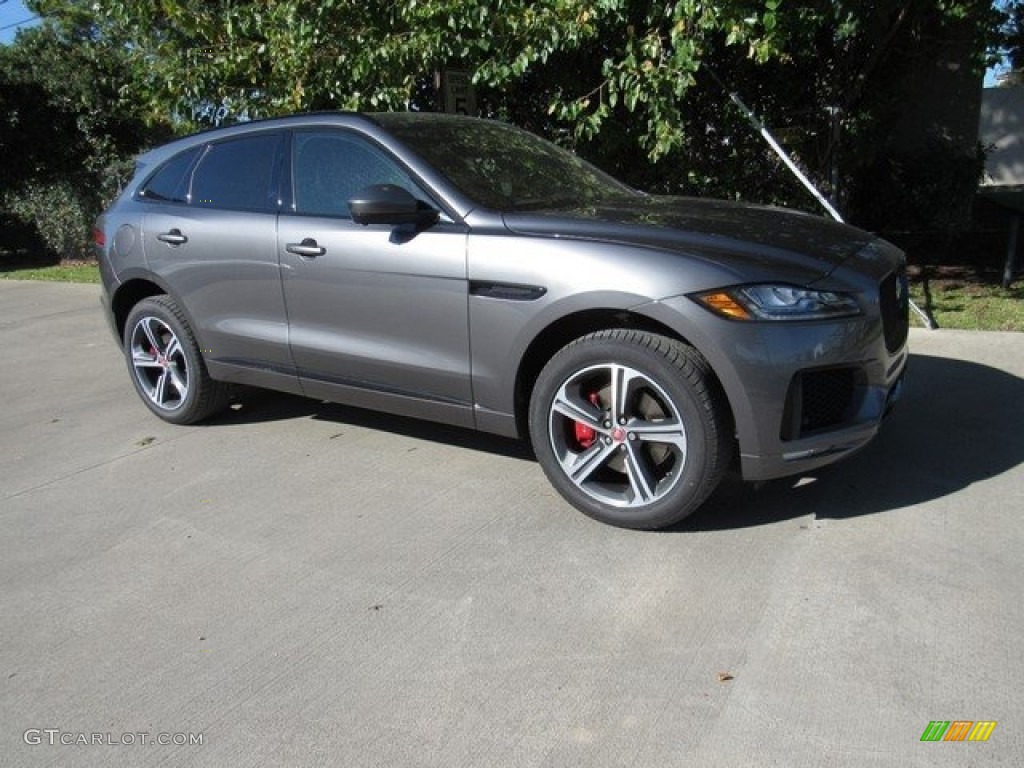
(818, 400)
(894, 302)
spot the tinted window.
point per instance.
(237, 174)
(170, 182)
(330, 168)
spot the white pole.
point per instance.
(760, 127)
(766, 135)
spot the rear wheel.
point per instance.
(630, 428)
(166, 367)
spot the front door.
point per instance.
(377, 314)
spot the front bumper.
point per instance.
(815, 448)
(803, 394)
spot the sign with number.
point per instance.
(459, 94)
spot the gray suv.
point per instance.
(467, 272)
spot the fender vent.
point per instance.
(507, 291)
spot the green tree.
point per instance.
(67, 135)
(842, 88)
(637, 86)
(262, 58)
(1013, 43)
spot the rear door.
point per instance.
(214, 243)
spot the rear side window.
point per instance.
(170, 183)
(238, 174)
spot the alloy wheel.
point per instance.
(617, 435)
(159, 363)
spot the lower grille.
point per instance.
(894, 302)
(817, 400)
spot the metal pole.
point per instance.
(784, 156)
(1011, 250)
(835, 114)
(760, 128)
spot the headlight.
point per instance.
(771, 301)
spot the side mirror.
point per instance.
(389, 204)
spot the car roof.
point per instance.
(365, 120)
(271, 123)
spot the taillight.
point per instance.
(99, 237)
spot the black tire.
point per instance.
(631, 428)
(166, 366)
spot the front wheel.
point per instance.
(630, 427)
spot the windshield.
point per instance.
(502, 167)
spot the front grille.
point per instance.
(817, 400)
(894, 301)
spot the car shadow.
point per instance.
(958, 423)
(251, 406)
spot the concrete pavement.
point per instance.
(303, 584)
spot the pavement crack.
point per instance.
(144, 446)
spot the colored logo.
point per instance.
(958, 730)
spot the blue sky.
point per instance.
(12, 13)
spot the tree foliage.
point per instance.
(262, 58)
(67, 134)
(1013, 43)
(639, 87)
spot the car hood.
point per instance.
(730, 234)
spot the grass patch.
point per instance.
(967, 299)
(73, 272)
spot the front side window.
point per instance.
(238, 174)
(329, 168)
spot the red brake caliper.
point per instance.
(584, 434)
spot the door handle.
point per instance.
(308, 248)
(174, 237)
